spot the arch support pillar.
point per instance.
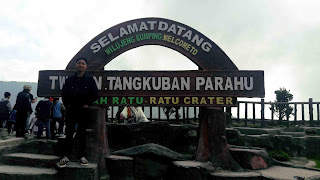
(212, 144)
(97, 140)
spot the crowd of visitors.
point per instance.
(78, 94)
(49, 115)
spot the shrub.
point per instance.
(311, 132)
(279, 155)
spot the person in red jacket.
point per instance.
(78, 93)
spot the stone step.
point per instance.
(11, 141)
(230, 175)
(257, 131)
(189, 170)
(74, 170)
(38, 146)
(3, 133)
(8, 172)
(294, 134)
(28, 159)
(120, 167)
(254, 158)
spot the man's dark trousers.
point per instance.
(76, 115)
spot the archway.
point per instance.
(219, 81)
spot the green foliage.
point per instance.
(282, 110)
(254, 125)
(279, 155)
(311, 132)
(317, 161)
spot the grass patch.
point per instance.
(279, 155)
(254, 125)
(317, 161)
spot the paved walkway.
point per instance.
(275, 173)
(279, 172)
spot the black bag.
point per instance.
(4, 110)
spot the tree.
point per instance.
(283, 110)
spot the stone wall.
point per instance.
(180, 138)
(183, 138)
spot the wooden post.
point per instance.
(302, 109)
(184, 115)
(295, 114)
(188, 118)
(159, 110)
(262, 113)
(318, 115)
(272, 114)
(254, 113)
(238, 113)
(311, 112)
(228, 116)
(280, 115)
(288, 121)
(106, 114)
(246, 114)
(112, 116)
(195, 113)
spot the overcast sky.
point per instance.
(282, 38)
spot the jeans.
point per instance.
(53, 126)
(46, 124)
(9, 126)
(27, 123)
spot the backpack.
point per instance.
(4, 110)
(44, 109)
(58, 110)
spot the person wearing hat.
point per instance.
(33, 100)
(5, 109)
(23, 107)
(78, 93)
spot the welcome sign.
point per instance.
(158, 88)
(153, 31)
(219, 83)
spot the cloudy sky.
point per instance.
(280, 37)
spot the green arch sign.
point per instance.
(153, 31)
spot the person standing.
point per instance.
(43, 112)
(5, 109)
(58, 111)
(78, 93)
(33, 100)
(23, 107)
